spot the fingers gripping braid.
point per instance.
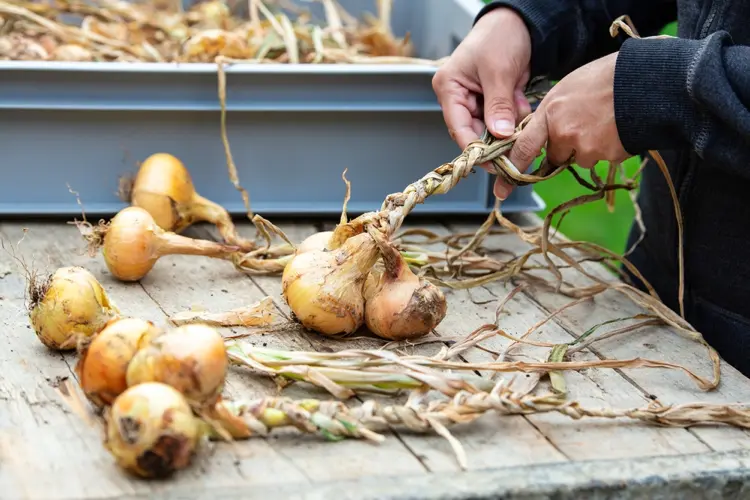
(444, 178)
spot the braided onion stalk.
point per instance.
(334, 420)
(327, 294)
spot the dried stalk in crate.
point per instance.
(158, 32)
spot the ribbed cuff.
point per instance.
(542, 17)
(653, 108)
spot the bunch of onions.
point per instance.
(164, 188)
(324, 288)
(69, 306)
(400, 305)
(133, 242)
(103, 365)
(191, 358)
(151, 430)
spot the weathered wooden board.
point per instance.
(653, 342)
(47, 452)
(576, 439)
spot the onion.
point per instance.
(398, 304)
(151, 430)
(191, 358)
(317, 241)
(164, 188)
(324, 288)
(68, 306)
(103, 365)
(133, 243)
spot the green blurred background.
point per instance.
(593, 221)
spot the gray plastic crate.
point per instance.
(292, 129)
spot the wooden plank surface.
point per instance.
(653, 342)
(46, 452)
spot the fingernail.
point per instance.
(501, 191)
(504, 127)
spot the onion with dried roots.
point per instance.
(164, 188)
(399, 305)
(133, 242)
(68, 307)
(191, 358)
(152, 431)
(103, 365)
(324, 288)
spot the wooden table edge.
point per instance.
(684, 477)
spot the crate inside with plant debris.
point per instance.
(306, 91)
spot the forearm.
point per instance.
(566, 34)
(682, 93)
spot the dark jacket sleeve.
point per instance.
(684, 93)
(566, 34)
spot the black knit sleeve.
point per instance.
(566, 34)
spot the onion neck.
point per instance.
(362, 251)
(168, 243)
(396, 267)
(201, 208)
(344, 231)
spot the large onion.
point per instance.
(151, 430)
(324, 288)
(133, 243)
(103, 365)
(68, 306)
(164, 188)
(191, 358)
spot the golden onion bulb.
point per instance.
(324, 288)
(103, 365)
(191, 358)
(151, 430)
(68, 306)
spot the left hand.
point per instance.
(576, 119)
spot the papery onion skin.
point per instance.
(317, 241)
(324, 288)
(133, 243)
(70, 305)
(103, 365)
(163, 187)
(191, 358)
(151, 430)
(399, 304)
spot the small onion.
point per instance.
(164, 188)
(324, 288)
(191, 358)
(69, 306)
(133, 243)
(103, 365)
(400, 305)
(151, 430)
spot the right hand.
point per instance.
(482, 82)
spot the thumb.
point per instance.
(500, 108)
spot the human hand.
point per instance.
(576, 120)
(482, 82)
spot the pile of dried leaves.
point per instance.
(274, 31)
